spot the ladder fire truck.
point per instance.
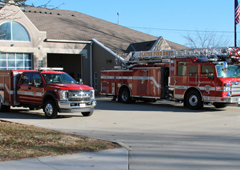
(192, 76)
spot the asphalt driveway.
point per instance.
(159, 135)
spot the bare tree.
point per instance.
(18, 2)
(206, 39)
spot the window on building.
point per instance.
(181, 68)
(13, 31)
(15, 61)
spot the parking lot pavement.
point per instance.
(161, 135)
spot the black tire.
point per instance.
(50, 109)
(4, 108)
(219, 105)
(194, 100)
(85, 114)
(124, 96)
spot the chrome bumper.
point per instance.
(79, 106)
(227, 100)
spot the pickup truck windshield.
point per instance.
(231, 71)
(58, 78)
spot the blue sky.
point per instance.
(171, 19)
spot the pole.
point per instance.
(235, 27)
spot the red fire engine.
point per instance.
(192, 76)
(48, 88)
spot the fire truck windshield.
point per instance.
(58, 78)
(231, 71)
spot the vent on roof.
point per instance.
(24, 10)
(73, 15)
(50, 13)
(29, 11)
(46, 12)
(35, 11)
(40, 11)
(58, 13)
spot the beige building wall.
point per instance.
(40, 46)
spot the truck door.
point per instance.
(36, 88)
(207, 82)
(29, 88)
(193, 76)
(180, 79)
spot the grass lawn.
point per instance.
(19, 141)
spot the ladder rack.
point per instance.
(212, 54)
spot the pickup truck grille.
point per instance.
(236, 88)
(79, 95)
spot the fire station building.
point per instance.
(32, 37)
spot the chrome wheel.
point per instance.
(49, 109)
(125, 96)
(193, 100)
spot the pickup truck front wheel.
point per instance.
(87, 113)
(50, 109)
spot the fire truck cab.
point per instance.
(192, 76)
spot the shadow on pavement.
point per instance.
(107, 104)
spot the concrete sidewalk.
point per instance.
(116, 159)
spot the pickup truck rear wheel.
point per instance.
(87, 113)
(50, 109)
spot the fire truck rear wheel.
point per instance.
(124, 96)
(50, 109)
(194, 100)
(4, 108)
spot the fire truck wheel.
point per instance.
(194, 100)
(124, 96)
(50, 109)
(218, 105)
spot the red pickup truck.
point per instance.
(48, 88)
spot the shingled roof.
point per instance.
(72, 25)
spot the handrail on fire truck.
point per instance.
(212, 54)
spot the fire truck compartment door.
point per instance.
(140, 82)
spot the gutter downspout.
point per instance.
(107, 49)
(91, 66)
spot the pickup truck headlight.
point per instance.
(92, 94)
(63, 94)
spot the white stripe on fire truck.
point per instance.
(9, 91)
(134, 78)
(29, 93)
(200, 88)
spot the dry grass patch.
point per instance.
(19, 141)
